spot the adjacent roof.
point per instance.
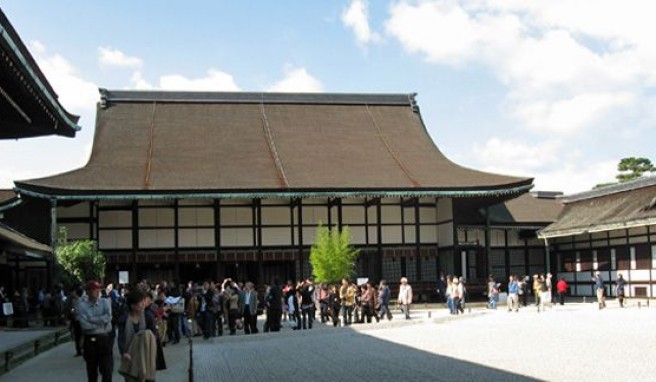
(159, 144)
(620, 206)
(6, 195)
(28, 104)
(20, 241)
(527, 210)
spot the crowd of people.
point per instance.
(143, 318)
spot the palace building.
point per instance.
(611, 230)
(193, 185)
(29, 107)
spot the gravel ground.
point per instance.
(572, 343)
(576, 342)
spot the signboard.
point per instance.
(123, 277)
(362, 280)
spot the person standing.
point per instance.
(441, 288)
(383, 300)
(405, 297)
(137, 339)
(274, 306)
(600, 289)
(492, 293)
(513, 294)
(561, 288)
(71, 311)
(248, 308)
(619, 286)
(95, 316)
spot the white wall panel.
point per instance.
(444, 209)
(276, 215)
(357, 235)
(196, 238)
(115, 219)
(236, 216)
(115, 239)
(352, 215)
(276, 236)
(391, 214)
(410, 234)
(242, 237)
(427, 215)
(314, 215)
(156, 217)
(445, 234)
(391, 234)
(428, 234)
(192, 217)
(156, 238)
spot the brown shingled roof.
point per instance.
(6, 195)
(614, 207)
(192, 141)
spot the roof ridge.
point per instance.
(107, 97)
(641, 182)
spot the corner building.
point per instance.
(194, 185)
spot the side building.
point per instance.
(193, 185)
(29, 107)
(611, 230)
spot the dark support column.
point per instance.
(291, 222)
(91, 220)
(339, 214)
(329, 206)
(176, 237)
(219, 271)
(488, 245)
(379, 233)
(49, 267)
(260, 251)
(301, 257)
(628, 248)
(366, 222)
(135, 241)
(53, 238)
(417, 240)
(649, 242)
(506, 251)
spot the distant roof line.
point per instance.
(612, 189)
(137, 96)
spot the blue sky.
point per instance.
(559, 90)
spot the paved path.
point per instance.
(59, 364)
(572, 343)
(12, 338)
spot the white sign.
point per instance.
(7, 309)
(123, 277)
(362, 280)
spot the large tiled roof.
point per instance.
(181, 142)
(28, 104)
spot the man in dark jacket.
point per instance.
(274, 306)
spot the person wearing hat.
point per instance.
(405, 297)
(95, 316)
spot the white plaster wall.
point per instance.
(236, 216)
(156, 217)
(156, 238)
(391, 234)
(275, 216)
(276, 236)
(391, 214)
(115, 218)
(444, 234)
(357, 235)
(352, 215)
(76, 230)
(237, 237)
(315, 214)
(428, 234)
(195, 238)
(201, 216)
(115, 239)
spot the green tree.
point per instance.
(80, 260)
(630, 168)
(633, 168)
(332, 256)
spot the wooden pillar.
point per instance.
(379, 233)
(488, 244)
(417, 241)
(218, 265)
(301, 257)
(176, 237)
(506, 252)
(260, 251)
(135, 241)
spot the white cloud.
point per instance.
(555, 166)
(76, 94)
(114, 57)
(297, 80)
(564, 65)
(215, 80)
(356, 17)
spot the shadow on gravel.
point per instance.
(330, 354)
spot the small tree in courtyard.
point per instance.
(80, 259)
(332, 256)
